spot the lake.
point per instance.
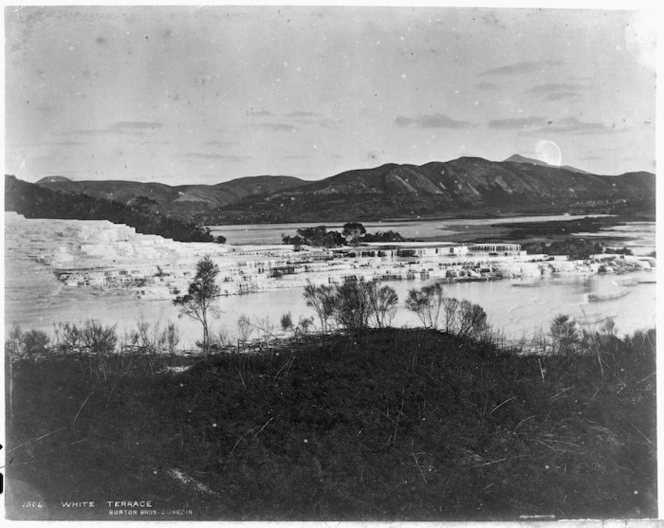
(273, 233)
(516, 310)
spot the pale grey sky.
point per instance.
(204, 95)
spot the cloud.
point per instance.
(136, 125)
(220, 143)
(120, 127)
(517, 123)
(571, 125)
(92, 132)
(522, 67)
(488, 86)
(259, 113)
(275, 127)
(222, 157)
(562, 96)
(67, 143)
(549, 88)
(300, 113)
(295, 157)
(436, 120)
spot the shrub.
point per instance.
(97, 338)
(471, 320)
(321, 299)
(245, 328)
(463, 318)
(564, 335)
(427, 303)
(153, 340)
(352, 307)
(383, 301)
(450, 311)
(14, 343)
(69, 338)
(286, 322)
(36, 343)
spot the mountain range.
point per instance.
(468, 186)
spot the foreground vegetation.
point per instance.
(370, 424)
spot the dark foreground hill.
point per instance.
(33, 201)
(391, 425)
(187, 202)
(466, 186)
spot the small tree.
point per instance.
(564, 334)
(321, 299)
(98, 339)
(427, 303)
(451, 313)
(287, 322)
(197, 303)
(353, 232)
(352, 307)
(245, 328)
(472, 320)
(383, 301)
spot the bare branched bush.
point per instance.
(265, 328)
(287, 322)
(97, 338)
(352, 307)
(383, 301)
(564, 334)
(427, 303)
(321, 299)
(450, 313)
(68, 338)
(471, 320)
(148, 339)
(245, 328)
(32, 345)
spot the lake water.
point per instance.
(516, 310)
(274, 233)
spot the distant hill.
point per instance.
(35, 201)
(465, 186)
(188, 202)
(518, 158)
(54, 179)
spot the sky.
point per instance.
(208, 94)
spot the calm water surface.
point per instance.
(273, 233)
(516, 310)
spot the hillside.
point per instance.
(53, 179)
(34, 201)
(187, 202)
(465, 186)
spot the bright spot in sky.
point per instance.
(549, 152)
